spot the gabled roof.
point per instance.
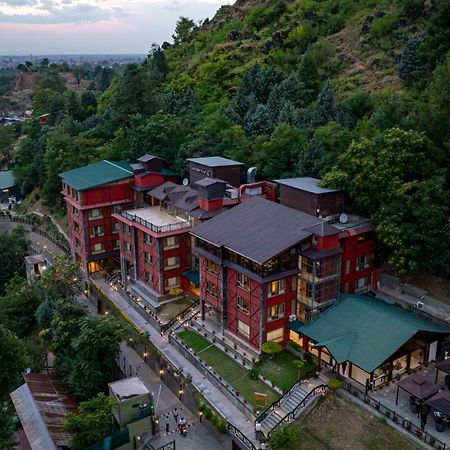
(215, 161)
(205, 182)
(7, 179)
(364, 330)
(258, 229)
(146, 158)
(305, 184)
(97, 174)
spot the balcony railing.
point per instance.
(155, 228)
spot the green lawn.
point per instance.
(228, 369)
(282, 371)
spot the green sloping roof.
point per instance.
(7, 179)
(364, 330)
(97, 174)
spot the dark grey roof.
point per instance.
(205, 182)
(258, 229)
(146, 158)
(137, 166)
(187, 201)
(162, 191)
(305, 184)
(313, 253)
(322, 229)
(215, 161)
(201, 214)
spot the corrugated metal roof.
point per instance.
(146, 158)
(205, 182)
(215, 161)
(258, 229)
(305, 184)
(97, 174)
(7, 179)
(364, 330)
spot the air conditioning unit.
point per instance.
(419, 305)
(292, 317)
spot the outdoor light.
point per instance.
(86, 291)
(161, 372)
(181, 392)
(106, 313)
(75, 279)
(130, 339)
(145, 354)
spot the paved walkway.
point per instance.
(211, 393)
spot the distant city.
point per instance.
(104, 60)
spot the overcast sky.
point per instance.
(93, 26)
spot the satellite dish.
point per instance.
(343, 218)
(185, 182)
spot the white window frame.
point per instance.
(280, 315)
(95, 217)
(96, 252)
(281, 287)
(97, 231)
(175, 265)
(275, 335)
(240, 281)
(243, 329)
(146, 259)
(241, 307)
(170, 246)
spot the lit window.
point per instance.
(275, 335)
(243, 329)
(276, 287)
(243, 305)
(276, 312)
(95, 213)
(211, 289)
(98, 248)
(243, 281)
(211, 267)
(97, 231)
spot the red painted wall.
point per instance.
(108, 193)
(205, 276)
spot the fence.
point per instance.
(168, 446)
(36, 230)
(237, 433)
(396, 418)
(156, 228)
(179, 317)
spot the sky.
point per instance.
(93, 26)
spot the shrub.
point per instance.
(176, 292)
(383, 26)
(253, 373)
(283, 438)
(334, 383)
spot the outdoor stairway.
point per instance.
(185, 316)
(290, 405)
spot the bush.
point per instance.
(334, 384)
(283, 438)
(253, 373)
(383, 26)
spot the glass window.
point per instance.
(95, 213)
(171, 263)
(363, 262)
(275, 335)
(127, 229)
(243, 281)
(75, 211)
(347, 266)
(115, 227)
(173, 282)
(361, 283)
(243, 304)
(211, 289)
(116, 244)
(276, 312)
(76, 226)
(147, 238)
(97, 231)
(77, 243)
(170, 242)
(211, 267)
(148, 257)
(276, 287)
(127, 247)
(149, 277)
(97, 248)
(243, 329)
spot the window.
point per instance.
(363, 262)
(78, 196)
(127, 247)
(98, 248)
(95, 213)
(148, 257)
(211, 267)
(149, 277)
(147, 238)
(173, 282)
(211, 289)
(76, 226)
(275, 335)
(243, 304)
(347, 266)
(75, 211)
(77, 243)
(97, 231)
(310, 290)
(127, 229)
(361, 283)
(243, 329)
(116, 244)
(314, 239)
(115, 227)
(276, 312)
(276, 287)
(243, 281)
(171, 263)
(170, 242)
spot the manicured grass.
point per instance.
(336, 422)
(282, 371)
(227, 368)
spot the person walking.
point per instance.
(175, 415)
(167, 419)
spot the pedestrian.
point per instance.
(175, 415)
(423, 420)
(167, 418)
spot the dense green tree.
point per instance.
(13, 360)
(157, 59)
(91, 423)
(183, 28)
(6, 428)
(411, 65)
(283, 438)
(8, 136)
(309, 79)
(13, 248)
(259, 121)
(326, 105)
(310, 153)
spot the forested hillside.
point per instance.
(353, 91)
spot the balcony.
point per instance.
(157, 220)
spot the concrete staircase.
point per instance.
(290, 405)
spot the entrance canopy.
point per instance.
(441, 402)
(419, 386)
(366, 331)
